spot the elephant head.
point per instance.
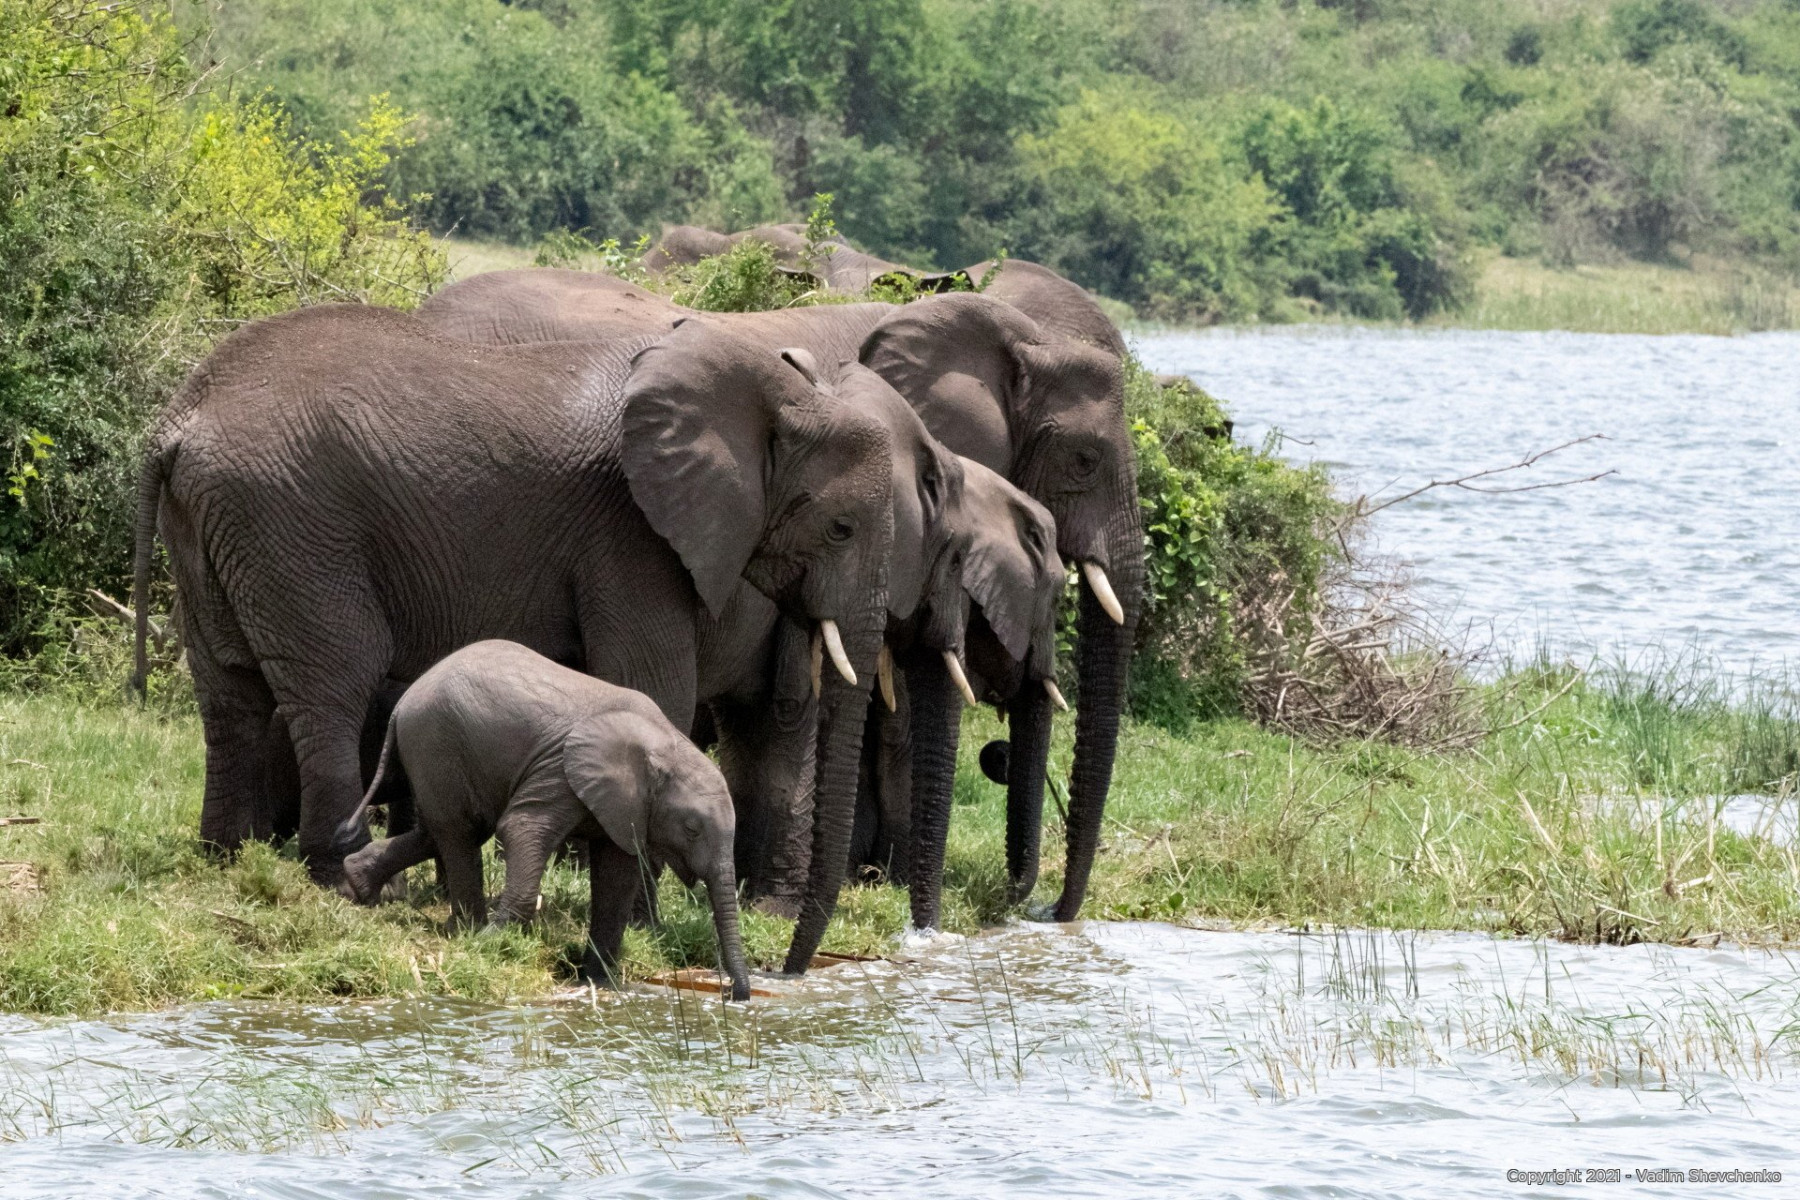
(1049, 415)
(1012, 575)
(653, 791)
(751, 467)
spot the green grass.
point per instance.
(1592, 819)
(1706, 296)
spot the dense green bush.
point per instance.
(1232, 534)
(143, 218)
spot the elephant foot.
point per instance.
(354, 883)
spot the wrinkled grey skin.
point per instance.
(1013, 578)
(347, 498)
(498, 740)
(1045, 412)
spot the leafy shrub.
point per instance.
(144, 218)
(1648, 27)
(1354, 240)
(1227, 528)
(1145, 207)
(1621, 160)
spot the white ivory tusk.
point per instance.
(1102, 588)
(884, 675)
(834, 644)
(818, 661)
(962, 681)
(1056, 696)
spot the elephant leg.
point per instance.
(236, 707)
(281, 779)
(367, 871)
(891, 777)
(236, 703)
(536, 823)
(612, 883)
(325, 743)
(460, 860)
(646, 906)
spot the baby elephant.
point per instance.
(497, 739)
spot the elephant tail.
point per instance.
(350, 832)
(154, 475)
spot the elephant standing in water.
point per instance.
(347, 498)
(496, 739)
(1044, 412)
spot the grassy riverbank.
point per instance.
(1593, 816)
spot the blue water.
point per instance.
(1691, 545)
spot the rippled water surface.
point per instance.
(1099, 1060)
(1694, 542)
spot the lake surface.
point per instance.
(1099, 1060)
(1691, 547)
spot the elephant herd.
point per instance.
(807, 537)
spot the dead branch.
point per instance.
(1362, 508)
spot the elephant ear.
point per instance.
(701, 407)
(958, 359)
(1012, 551)
(606, 760)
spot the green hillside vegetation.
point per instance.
(1222, 159)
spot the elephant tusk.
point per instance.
(818, 661)
(956, 673)
(884, 674)
(834, 643)
(1056, 696)
(1102, 589)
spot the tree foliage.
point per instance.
(143, 216)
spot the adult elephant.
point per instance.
(1044, 412)
(347, 498)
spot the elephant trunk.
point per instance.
(1103, 658)
(836, 768)
(1028, 719)
(721, 889)
(936, 727)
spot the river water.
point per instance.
(1690, 548)
(1111, 1060)
(1099, 1060)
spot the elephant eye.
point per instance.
(787, 712)
(692, 827)
(1083, 463)
(841, 530)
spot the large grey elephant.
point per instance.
(1044, 412)
(498, 740)
(347, 498)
